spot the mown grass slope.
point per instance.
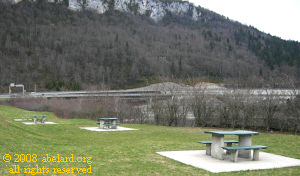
(114, 153)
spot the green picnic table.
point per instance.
(39, 118)
(108, 123)
(245, 139)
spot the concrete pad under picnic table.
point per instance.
(39, 123)
(25, 119)
(99, 129)
(199, 159)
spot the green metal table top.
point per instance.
(239, 132)
(108, 118)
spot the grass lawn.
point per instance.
(114, 153)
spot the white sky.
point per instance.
(279, 18)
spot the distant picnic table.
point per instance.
(41, 118)
(108, 123)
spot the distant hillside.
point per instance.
(54, 48)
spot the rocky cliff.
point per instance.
(155, 9)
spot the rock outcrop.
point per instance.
(154, 8)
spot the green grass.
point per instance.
(119, 152)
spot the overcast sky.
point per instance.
(276, 17)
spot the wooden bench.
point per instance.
(234, 151)
(208, 145)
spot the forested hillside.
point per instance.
(47, 45)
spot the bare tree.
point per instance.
(250, 114)
(230, 110)
(172, 108)
(294, 112)
(269, 107)
(248, 109)
(235, 108)
(158, 111)
(201, 107)
(183, 110)
(223, 113)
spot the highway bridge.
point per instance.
(147, 94)
(126, 94)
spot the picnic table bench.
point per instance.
(39, 118)
(208, 145)
(234, 151)
(108, 124)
